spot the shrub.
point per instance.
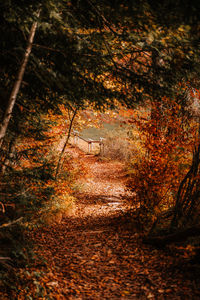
(57, 208)
(166, 148)
(117, 146)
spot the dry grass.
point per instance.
(117, 148)
(117, 145)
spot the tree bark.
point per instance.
(9, 156)
(17, 84)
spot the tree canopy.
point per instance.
(148, 49)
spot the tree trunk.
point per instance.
(188, 199)
(17, 84)
(9, 156)
(65, 144)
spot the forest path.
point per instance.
(94, 254)
(102, 190)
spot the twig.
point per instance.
(50, 49)
(3, 207)
(11, 223)
(5, 258)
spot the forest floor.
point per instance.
(97, 254)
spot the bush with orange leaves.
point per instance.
(166, 151)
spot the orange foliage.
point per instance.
(167, 144)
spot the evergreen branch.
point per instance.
(98, 12)
(49, 48)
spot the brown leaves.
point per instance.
(96, 257)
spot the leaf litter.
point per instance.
(95, 255)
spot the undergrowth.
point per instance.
(30, 197)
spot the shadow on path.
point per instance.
(97, 253)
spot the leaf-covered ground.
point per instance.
(96, 254)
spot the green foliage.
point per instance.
(147, 51)
(15, 253)
(24, 189)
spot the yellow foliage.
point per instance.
(57, 209)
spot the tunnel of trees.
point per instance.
(69, 56)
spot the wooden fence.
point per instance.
(89, 142)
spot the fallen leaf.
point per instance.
(150, 295)
(52, 283)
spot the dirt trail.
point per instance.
(103, 190)
(95, 255)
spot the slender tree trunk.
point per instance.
(17, 84)
(65, 144)
(8, 160)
